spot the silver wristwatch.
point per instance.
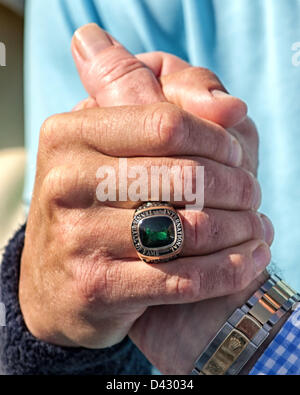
(247, 329)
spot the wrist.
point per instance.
(205, 319)
(248, 331)
(273, 333)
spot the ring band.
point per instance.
(157, 232)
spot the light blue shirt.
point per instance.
(252, 45)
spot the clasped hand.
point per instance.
(81, 281)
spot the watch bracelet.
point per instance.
(247, 329)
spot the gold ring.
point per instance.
(157, 232)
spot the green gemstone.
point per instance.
(156, 232)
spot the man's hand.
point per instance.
(81, 283)
(193, 89)
(184, 331)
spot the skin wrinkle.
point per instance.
(247, 191)
(113, 71)
(122, 285)
(176, 123)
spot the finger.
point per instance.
(205, 231)
(195, 89)
(156, 130)
(128, 183)
(247, 135)
(162, 63)
(200, 92)
(184, 88)
(109, 72)
(85, 104)
(185, 280)
(115, 77)
(223, 187)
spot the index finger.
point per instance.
(160, 129)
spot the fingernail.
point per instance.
(261, 257)
(236, 153)
(268, 229)
(90, 40)
(218, 93)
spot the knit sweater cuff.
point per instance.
(23, 354)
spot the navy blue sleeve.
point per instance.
(22, 354)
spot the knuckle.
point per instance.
(237, 273)
(58, 183)
(205, 71)
(68, 187)
(255, 225)
(53, 181)
(49, 131)
(247, 193)
(253, 132)
(194, 222)
(248, 129)
(169, 127)
(215, 230)
(114, 70)
(213, 183)
(204, 75)
(219, 146)
(184, 287)
(207, 231)
(95, 281)
(90, 286)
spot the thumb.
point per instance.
(111, 74)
